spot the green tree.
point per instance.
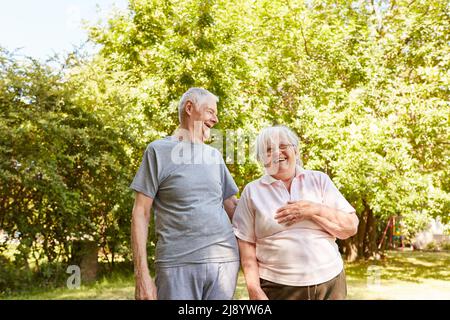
(364, 84)
(63, 173)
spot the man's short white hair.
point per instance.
(196, 96)
(272, 134)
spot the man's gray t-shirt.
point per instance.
(188, 183)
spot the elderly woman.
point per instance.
(287, 222)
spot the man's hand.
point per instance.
(145, 288)
(230, 205)
(296, 211)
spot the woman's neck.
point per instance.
(288, 183)
(286, 178)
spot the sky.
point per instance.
(42, 28)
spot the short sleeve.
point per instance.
(244, 219)
(229, 187)
(332, 197)
(146, 178)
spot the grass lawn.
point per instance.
(402, 275)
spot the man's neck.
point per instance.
(187, 133)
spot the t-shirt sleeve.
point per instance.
(332, 197)
(146, 179)
(229, 187)
(244, 219)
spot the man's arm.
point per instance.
(230, 205)
(339, 224)
(145, 286)
(249, 264)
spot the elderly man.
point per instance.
(193, 196)
(287, 222)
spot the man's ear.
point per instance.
(189, 107)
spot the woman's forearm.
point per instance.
(251, 270)
(251, 273)
(249, 263)
(338, 223)
(341, 225)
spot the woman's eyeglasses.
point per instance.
(281, 147)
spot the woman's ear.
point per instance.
(298, 161)
(188, 107)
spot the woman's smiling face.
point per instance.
(281, 157)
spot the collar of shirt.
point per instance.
(268, 179)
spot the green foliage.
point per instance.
(14, 278)
(63, 174)
(364, 84)
(433, 246)
(446, 246)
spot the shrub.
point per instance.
(433, 246)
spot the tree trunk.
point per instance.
(363, 244)
(85, 255)
(350, 249)
(360, 236)
(371, 235)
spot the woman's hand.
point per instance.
(296, 211)
(257, 293)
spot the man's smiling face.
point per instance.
(205, 117)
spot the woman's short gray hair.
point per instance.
(196, 96)
(269, 134)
